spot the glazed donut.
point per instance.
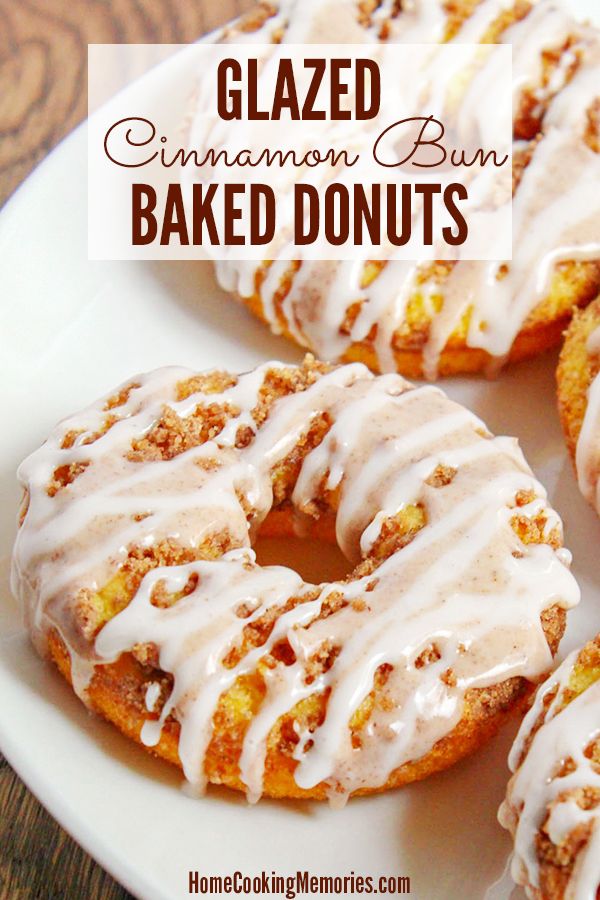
(447, 317)
(579, 398)
(135, 566)
(552, 806)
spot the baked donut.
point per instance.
(135, 566)
(552, 806)
(579, 398)
(445, 317)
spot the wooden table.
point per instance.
(43, 63)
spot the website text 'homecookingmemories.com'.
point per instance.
(297, 884)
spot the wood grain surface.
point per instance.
(43, 95)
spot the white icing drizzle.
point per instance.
(587, 456)
(536, 793)
(465, 582)
(152, 695)
(556, 207)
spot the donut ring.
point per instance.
(134, 564)
(578, 398)
(552, 807)
(444, 318)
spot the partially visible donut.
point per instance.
(444, 318)
(134, 564)
(552, 806)
(579, 398)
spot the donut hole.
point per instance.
(315, 555)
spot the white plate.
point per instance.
(70, 330)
